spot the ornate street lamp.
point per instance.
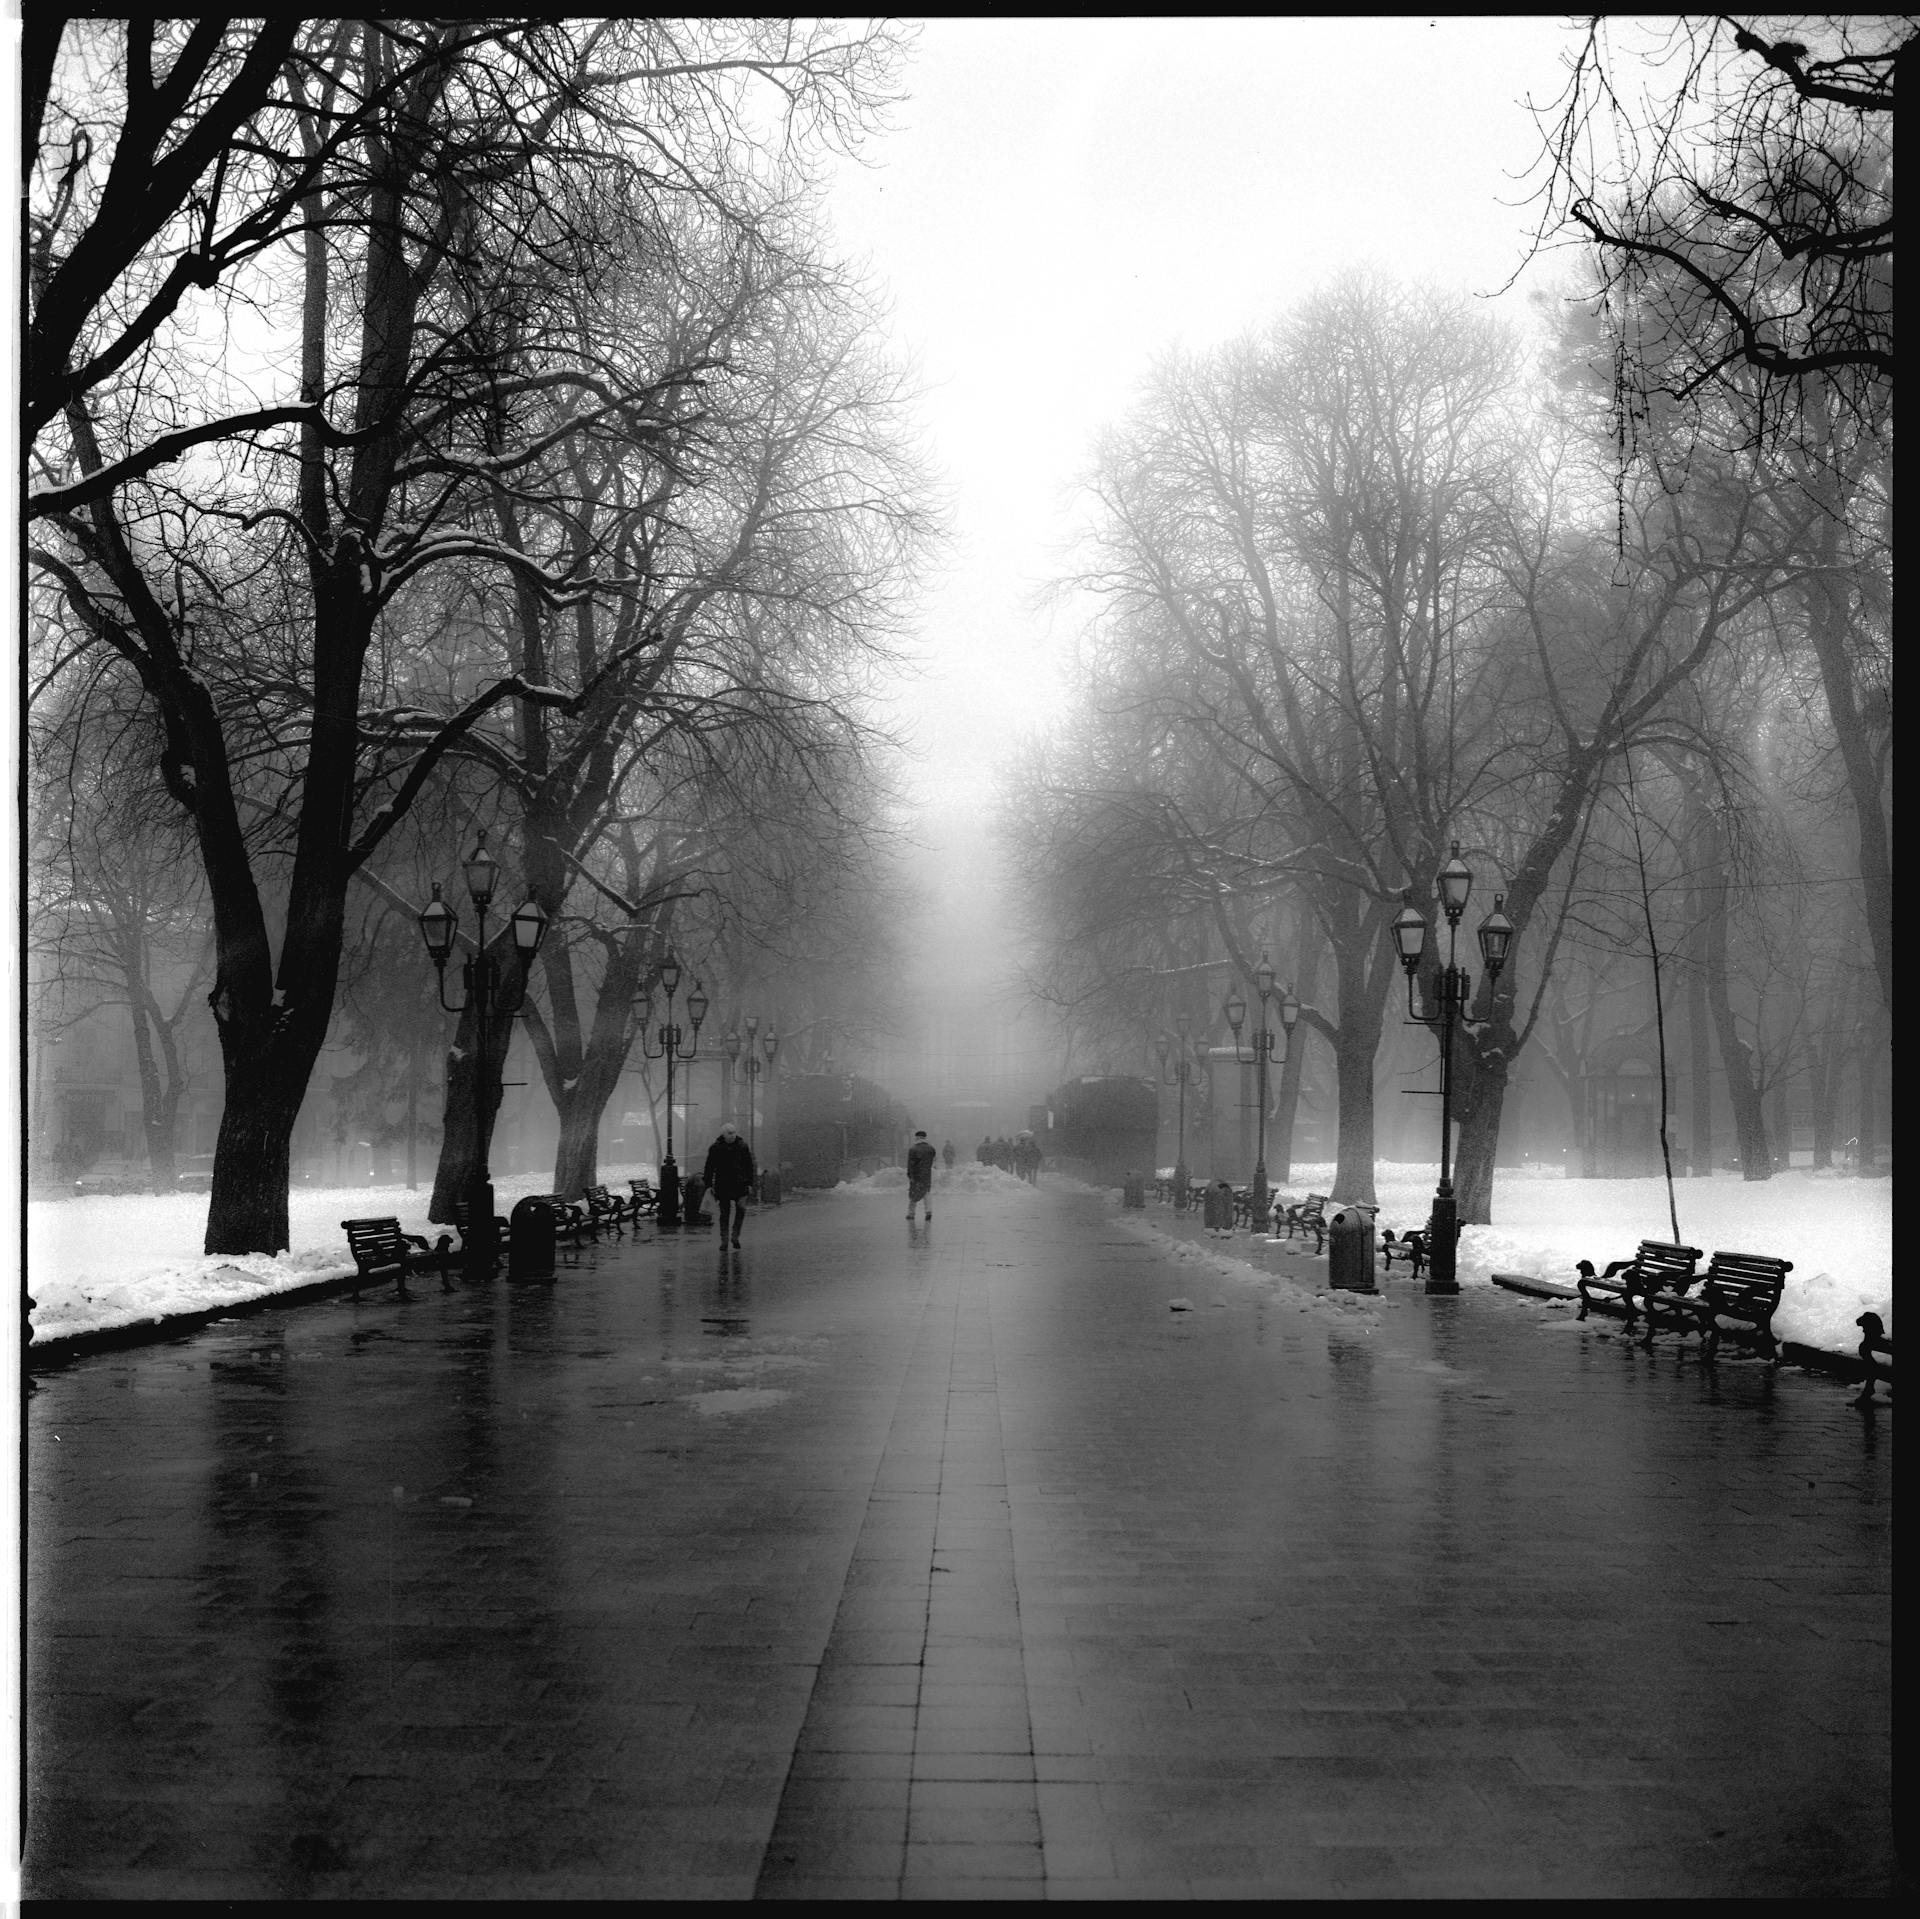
(1182, 1072)
(1454, 882)
(748, 1062)
(667, 1219)
(487, 995)
(1261, 1056)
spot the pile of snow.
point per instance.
(1837, 1231)
(100, 1262)
(888, 1179)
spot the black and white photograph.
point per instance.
(1244, 664)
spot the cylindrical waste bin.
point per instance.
(530, 1240)
(693, 1191)
(1350, 1248)
(770, 1188)
(1134, 1191)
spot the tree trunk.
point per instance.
(576, 1164)
(1828, 597)
(1478, 1142)
(1869, 1136)
(159, 1103)
(247, 1211)
(1736, 1057)
(1354, 1053)
(1286, 1109)
(467, 1136)
(1699, 1040)
(576, 1160)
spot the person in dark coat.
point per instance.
(730, 1177)
(920, 1157)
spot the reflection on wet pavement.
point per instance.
(853, 1566)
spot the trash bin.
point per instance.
(530, 1240)
(693, 1191)
(1350, 1248)
(1134, 1191)
(769, 1188)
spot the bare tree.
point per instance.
(1735, 186)
(350, 248)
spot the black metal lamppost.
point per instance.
(487, 994)
(1455, 882)
(1262, 1040)
(1182, 1072)
(667, 1219)
(748, 1063)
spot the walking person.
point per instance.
(730, 1178)
(920, 1157)
(946, 1154)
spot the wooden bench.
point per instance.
(1410, 1246)
(499, 1229)
(571, 1220)
(1659, 1266)
(607, 1208)
(645, 1203)
(379, 1247)
(1739, 1294)
(1309, 1216)
(1243, 1210)
(1876, 1356)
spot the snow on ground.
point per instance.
(1837, 1231)
(106, 1261)
(102, 1262)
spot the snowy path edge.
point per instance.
(52, 1349)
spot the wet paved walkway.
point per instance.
(873, 1563)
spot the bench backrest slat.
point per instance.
(1664, 1259)
(1749, 1266)
(1746, 1282)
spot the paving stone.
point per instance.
(1023, 1588)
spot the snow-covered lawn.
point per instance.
(1837, 1231)
(99, 1263)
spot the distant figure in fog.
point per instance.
(729, 1176)
(946, 1154)
(1026, 1159)
(984, 1151)
(920, 1174)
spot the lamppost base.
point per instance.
(667, 1217)
(1443, 1238)
(480, 1249)
(1180, 1194)
(1262, 1198)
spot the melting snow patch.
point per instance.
(737, 1399)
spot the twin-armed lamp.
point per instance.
(487, 994)
(1453, 882)
(668, 1217)
(1167, 1045)
(1263, 1041)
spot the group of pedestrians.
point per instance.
(1021, 1156)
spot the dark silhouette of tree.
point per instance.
(1735, 188)
(264, 398)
